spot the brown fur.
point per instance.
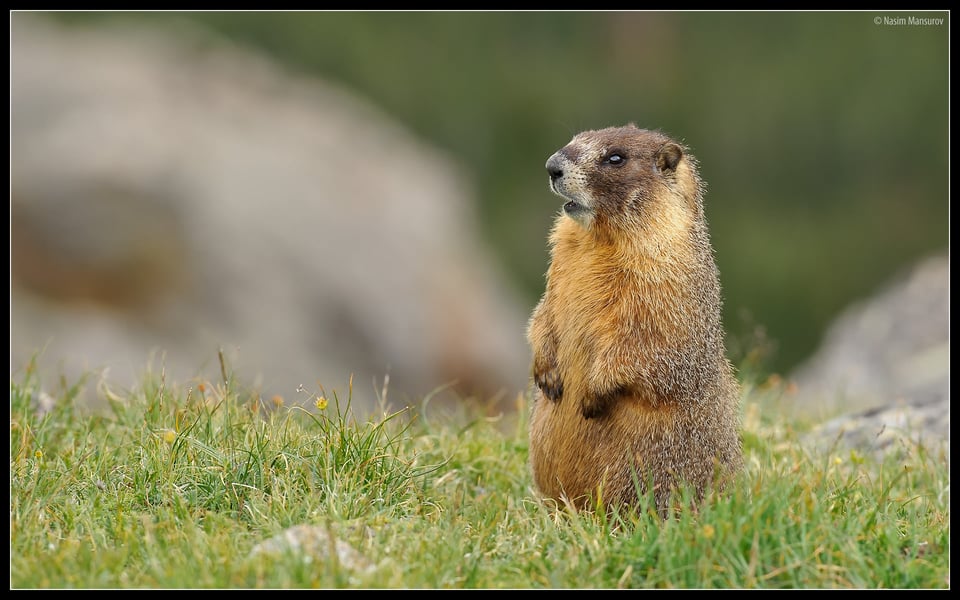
(633, 386)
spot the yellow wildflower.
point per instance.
(321, 403)
(169, 436)
(708, 531)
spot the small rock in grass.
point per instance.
(316, 542)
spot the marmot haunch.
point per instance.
(633, 386)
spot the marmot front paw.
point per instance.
(550, 384)
(597, 405)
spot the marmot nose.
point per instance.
(553, 168)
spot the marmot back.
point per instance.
(633, 385)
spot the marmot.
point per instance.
(633, 387)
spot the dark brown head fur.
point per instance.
(609, 175)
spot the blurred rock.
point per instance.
(172, 194)
(314, 543)
(898, 429)
(885, 365)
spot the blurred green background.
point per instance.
(823, 137)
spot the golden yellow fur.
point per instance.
(633, 387)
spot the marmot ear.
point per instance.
(668, 157)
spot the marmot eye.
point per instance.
(614, 158)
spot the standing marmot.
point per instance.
(628, 354)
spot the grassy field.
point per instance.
(174, 486)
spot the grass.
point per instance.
(173, 488)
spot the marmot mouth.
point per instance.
(572, 206)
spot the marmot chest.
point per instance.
(596, 305)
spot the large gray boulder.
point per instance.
(882, 374)
(171, 195)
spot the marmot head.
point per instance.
(624, 178)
